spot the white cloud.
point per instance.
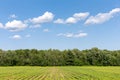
(114, 11)
(1, 25)
(80, 35)
(74, 19)
(71, 20)
(35, 26)
(99, 18)
(13, 16)
(15, 25)
(27, 21)
(16, 37)
(46, 30)
(59, 21)
(28, 35)
(80, 16)
(102, 17)
(46, 17)
(65, 35)
(73, 35)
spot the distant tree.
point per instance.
(54, 57)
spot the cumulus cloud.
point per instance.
(46, 30)
(80, 16)
(1, 25)
(15, 25)
(35, 26)
(114, 11)
(28, 35)
(46, 17)
(65, 34)
(77, 17)
(59, 21)
(102, 17)
(71, 20)
(18, 25)
(13, 16)
(73, 35)
(16, 37)
(74, 19)
(80, 35)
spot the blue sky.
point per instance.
(63, 24)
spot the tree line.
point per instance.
(54, 57)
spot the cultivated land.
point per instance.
(60, 73)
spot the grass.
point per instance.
(60, 73)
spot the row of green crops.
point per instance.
(60, 73)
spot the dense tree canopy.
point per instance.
(54, 57)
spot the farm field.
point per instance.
(60, 73)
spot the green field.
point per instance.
(60, 73)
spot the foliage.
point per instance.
(54, 57)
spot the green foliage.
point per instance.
(54, 57)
